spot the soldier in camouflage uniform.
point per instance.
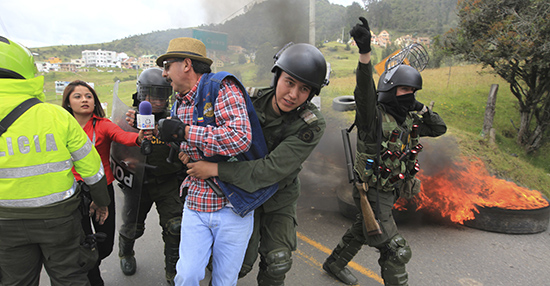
(389, 122)
(292, 127)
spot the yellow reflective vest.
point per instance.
(37, 153)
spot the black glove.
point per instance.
(172, 130)
(417, 106)
(361, 34)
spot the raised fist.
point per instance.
(362, 36)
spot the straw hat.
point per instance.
(185, 48)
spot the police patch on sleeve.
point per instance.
(306, 135)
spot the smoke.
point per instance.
(281, 21)
(218, 12)
(438, 154)
(325, 169)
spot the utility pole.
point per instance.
(312, 22)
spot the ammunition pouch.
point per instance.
(410, 188)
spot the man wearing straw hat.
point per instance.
(214, 124)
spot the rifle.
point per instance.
(371, 224)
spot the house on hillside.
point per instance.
(43, 66)
(129, 63)
(406, 40)
(79, 62)
(68, 67)
(425, 41)
(147, 61)
(99, 58)
(383, 39)
(54, 60)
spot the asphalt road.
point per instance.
(443, 253)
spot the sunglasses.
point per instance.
(166, 64)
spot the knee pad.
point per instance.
(173, 226)
(393, 257)
(278, 262)
(399, 250)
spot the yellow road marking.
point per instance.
(365, 271)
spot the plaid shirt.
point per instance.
(232, 135)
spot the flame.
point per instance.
(457, 191)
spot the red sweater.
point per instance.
(105, 133)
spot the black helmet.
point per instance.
(403, 75)
(152, 85)
(303, 62)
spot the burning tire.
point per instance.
(343, 103)
(510, 221)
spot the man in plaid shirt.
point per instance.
(214, 125)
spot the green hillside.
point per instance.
(281, 21)
(459, 92)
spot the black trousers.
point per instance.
(106, 247)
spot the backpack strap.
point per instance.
(16, 113)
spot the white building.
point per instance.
(43, 66)
(99, 58)
(78, 62)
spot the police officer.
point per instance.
(393, 123)
(292, 127)
(160, 184)
(39, 198)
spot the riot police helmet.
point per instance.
(303, 62)
(153, 87)
(402, 75)
(16, 61)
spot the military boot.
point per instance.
(126, 254)
(336, 263)
(264, 279)
(171, 256)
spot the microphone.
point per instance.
(146, 121)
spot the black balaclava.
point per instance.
(399, 106)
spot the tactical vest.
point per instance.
(399, 148)
(203, 115)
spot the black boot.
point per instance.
(336, 263)
(265, 279)
(171, 256)
(126, 254)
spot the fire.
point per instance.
(457, 191)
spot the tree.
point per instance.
(512, 37)
(264, 59)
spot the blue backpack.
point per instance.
(243, 202)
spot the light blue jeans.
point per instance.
(222, 234)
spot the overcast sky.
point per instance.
(39, 23)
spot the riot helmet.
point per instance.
(303, 62)
(402, 75)
(16, 61)
(153, 87)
